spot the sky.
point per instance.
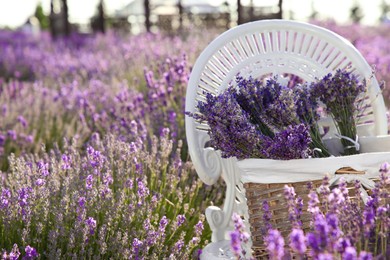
(14, 13)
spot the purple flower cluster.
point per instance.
(339, 93)
(290, 143)
(238, 237)
(230, 128)
(341, 230)
(256, 120)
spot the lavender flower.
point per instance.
(180, 219)
(297, 241)
(22, 121)
(365, 256)
(267, 216)
(12, 134)
(66, 162)
(294, 214)
(31, 253)
(291, 143)
(2, 140)
(137, 244)
(275, 244)
(5, 198)
(231, 132)
(40, 182)
(91, 224)
(15, 253)
(89, 182)
(350, 253)
(43, 168)
(199, 228)
(239, 237)
(339, 92)
(235, 243)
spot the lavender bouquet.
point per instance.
(257, 119)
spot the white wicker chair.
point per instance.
(269, 47)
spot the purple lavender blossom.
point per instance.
(365, 256)
(66, 160)
(5, 198)
(231, 132)
(269, 105)
(294, 214)
(2, 140)
(275, 244)
(95, 157)
(297, 241)
(23, 196)
(235, 243)
(137, 244)
(12, 134)
(22, 121)
(31, 253)
(163, 224)
(339, 93)
(350, 253)
(238, 236)
(180, 219)
(341, 244)
(15, 253)
(324, 256)
(322, 231)
(91, 223)
(313, 242)
(89, 182)
(40, 182)
(313, 203)
(179, 245)
(29, 139)
(291, 143)
(142, 190)
(199, 228)
(43, 168)
(267, 216)
(81, 202)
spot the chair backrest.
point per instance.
(262, 48)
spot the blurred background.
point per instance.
(62, 17)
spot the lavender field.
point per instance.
(93, 155)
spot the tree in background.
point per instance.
(53, 31)
(180, 8)
(280, 5)
(59, 18)
(239, 12)
(147, 15)
(66, 17)
(98, 22)
(42, 18)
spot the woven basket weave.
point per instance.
(257, 193)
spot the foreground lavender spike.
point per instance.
(275, 244)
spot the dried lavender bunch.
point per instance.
(270, 106)
(291, 143)
(306, 108)
(274, 109)
(230, 128)
(255, 120)
(339, 93)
